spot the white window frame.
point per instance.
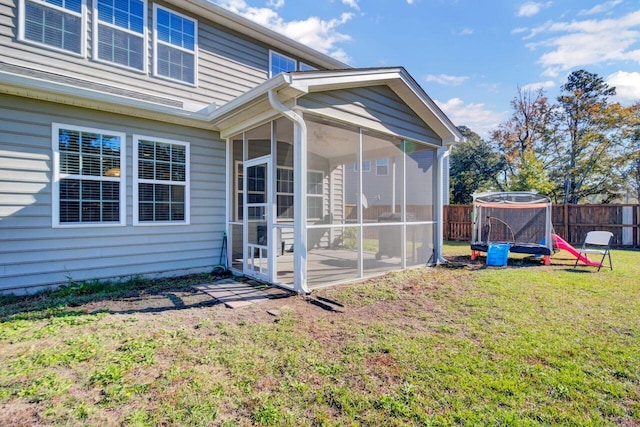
(145, 42)
(272, 53)
(58, 176)
(302, 66)
(366, 166)
(22, 12)
(283, 193)
(379, 164)
(136, 180)
(156, 42)
(239, 190)
(316, 196)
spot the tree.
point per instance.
(524, 142)
(632, 171)
(531, 176)
(588, 143)
(474, 166)
(526, 131)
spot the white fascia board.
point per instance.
(70, 95)
(321, 81)
(215, 13)
(453, 134)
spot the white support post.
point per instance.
(245, 228)
(272, 176)
(442, 153)
(299, 193)
(360, 209)
(403, 208)
(228, 195)
(300, 206)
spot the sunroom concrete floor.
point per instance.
(327, 266)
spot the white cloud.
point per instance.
(538, 85)
(410, 1)
(531, 8)
(600, 8)
(447, 80)
(588, 42)
(466, 32)
(320, 34)
(351, 3)
(476, 117)
(627, 86)
(276, 4)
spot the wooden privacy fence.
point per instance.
(571, 222)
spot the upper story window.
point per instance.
(160, 181)
(59, 24)
(175, 45)
(306, 67)
(120, 29)
(88, 185)
(279, 63)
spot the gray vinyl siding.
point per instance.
(377, 108)
(33, 253)
(229, 64)
(338, 194)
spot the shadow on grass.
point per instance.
(136, 295)
(580, 270)
(464, 261)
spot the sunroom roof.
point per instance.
(233, 117)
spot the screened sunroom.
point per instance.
(334, 184)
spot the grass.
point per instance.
(456, 345)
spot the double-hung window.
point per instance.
(366, 166)
(88, 185)
(315, 196)
(161, 181)
(279, 63)
(175, 45)
(382, 166)
(119, 32)
(285, 193)
(59, 24)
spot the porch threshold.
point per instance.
(237, 292)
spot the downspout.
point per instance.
(443, 153)
(300, 185)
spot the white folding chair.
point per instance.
(597, 243)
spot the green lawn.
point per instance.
(461, 344)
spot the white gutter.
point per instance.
(300, 194)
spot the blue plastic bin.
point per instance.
(497, 254)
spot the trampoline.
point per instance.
(520, 219)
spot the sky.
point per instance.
(470, 56)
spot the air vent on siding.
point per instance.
(84, 84)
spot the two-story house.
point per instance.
(135, 134)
